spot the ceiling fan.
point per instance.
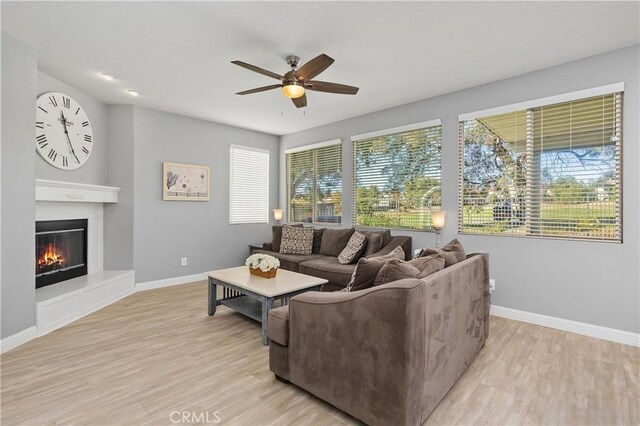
(295, 82)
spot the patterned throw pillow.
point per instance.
(296, 240)
(354, 248)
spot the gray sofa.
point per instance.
(327, 245)
(387, 354)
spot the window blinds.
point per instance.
(248, 185)
(396, 178)
(314, 184)
(549, 171)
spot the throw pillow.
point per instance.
(428, 265)
(317, 239)
(374, 244)
(453, 252)
(334, 241)
(354, 249)
(276, 235)
(367, 268)
(394, 270)
(296, 240)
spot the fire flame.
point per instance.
(50, 257)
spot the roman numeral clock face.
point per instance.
(63, 132)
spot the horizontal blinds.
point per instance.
(314, 185)
(300, 185)
(550, 171)
(248, 186)
(397, 178)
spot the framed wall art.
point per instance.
(185, 182)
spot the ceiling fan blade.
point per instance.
(300, 102)
(257, 69)
(323, 86)
(260, 89)
(313, 67)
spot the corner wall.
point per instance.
(165, 231)
(591, 282)
(18, 170)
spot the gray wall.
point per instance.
(596, 283)
(18, 170)
(165, 231)
(118, 217)
(94, 171)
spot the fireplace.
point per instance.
(61, 250)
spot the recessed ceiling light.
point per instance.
(134, 93)
(107, 76)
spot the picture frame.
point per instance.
(185, 182)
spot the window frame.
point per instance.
(389, 132)
(313, 147)
(233, 147)
(528, 106)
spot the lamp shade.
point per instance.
(277, 214)
(437, 219)
(293, 90)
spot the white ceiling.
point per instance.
(178, 54)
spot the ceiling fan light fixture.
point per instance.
(293, 90)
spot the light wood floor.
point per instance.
(156, 352)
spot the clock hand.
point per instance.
(66, 132)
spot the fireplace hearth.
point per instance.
(61, 250)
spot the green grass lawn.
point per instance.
(592, 220)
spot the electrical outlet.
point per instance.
(183, 261)
(492, 285)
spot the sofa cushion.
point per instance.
(290, 262)
(328, 268)
(317, 240)
(428, 265)
(296, 240)
(394, 270)
(334, 241)
(453, 252)
(354, 249)
(367, 269)
(276, 236)
(278, 325)
(374, 244)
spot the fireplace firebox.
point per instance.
(61, 250)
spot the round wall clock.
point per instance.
(64, 137)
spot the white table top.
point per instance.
(284, 282)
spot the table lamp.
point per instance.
(437, 222)
(277, 215)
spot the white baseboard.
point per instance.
(18, 339)
(168, 282)
(599, 332)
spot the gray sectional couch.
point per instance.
(327, 245)
(386, 355)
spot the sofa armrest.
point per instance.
(362, 351)
(397, 241)
(278, 325)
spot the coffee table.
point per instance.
(254, 296)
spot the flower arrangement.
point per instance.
(262, 265)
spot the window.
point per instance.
(545, 171)
(314, 183)
(248, 185)
(396, 176)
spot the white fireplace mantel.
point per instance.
(67, 301)
(53, 190)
